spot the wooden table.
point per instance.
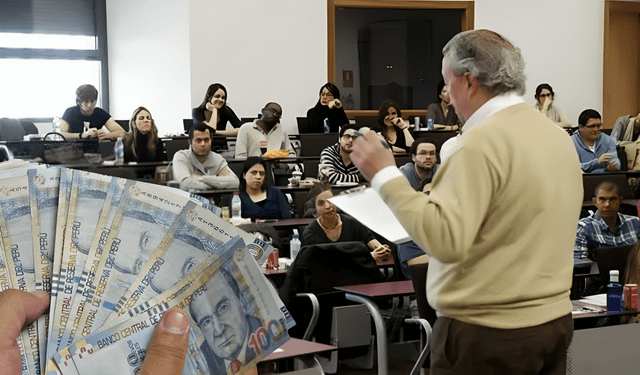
(365, 294)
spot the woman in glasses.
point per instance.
(327, 111)
(258, 200)
(544, 104)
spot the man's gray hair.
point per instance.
(495, 62)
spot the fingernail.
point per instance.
(40, 293)
(175, 321)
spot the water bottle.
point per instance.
(118, 151)
(327, 129)
(55, 125)
(294, 245)
(236, 206)
(614, 293)
(430, 124)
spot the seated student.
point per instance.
(607, 227)
(424, 162)
(597, 151)
(331, 226)
(258, 200)
(341, 169)
(544, 104)
(214, 112)
(142, 142)
(198, 167)
(85, 120)
(393, 128)
(626, 129)
(256, 138)
(328, 108)
(442, 112)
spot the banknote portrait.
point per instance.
(222, 315)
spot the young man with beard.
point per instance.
(423, 165)
(336, 157)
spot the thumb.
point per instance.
(17, 308)
(168, 347)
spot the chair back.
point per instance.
(29, 127)
(312, 144)
(124, 124)
(613, 258)
(303, 125)
(590, 182)
(11, 130)
(320, 268)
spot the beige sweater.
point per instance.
(500, 222)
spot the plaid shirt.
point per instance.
(593, 233)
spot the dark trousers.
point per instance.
(463, 348)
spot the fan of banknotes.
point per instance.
(115, 254)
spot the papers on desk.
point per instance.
(598, 300)
(367, 207)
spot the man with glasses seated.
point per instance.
(85, 120)
(597, 151)
(335, 160)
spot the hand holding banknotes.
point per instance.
(165, 355)
(17, 308)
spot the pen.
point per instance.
(384, 144)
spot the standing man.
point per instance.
(85, 120)
(336, 157)
(199, 167)
(597, 151)
(499, 222)
(423, 165)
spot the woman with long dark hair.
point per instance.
(214, 112)
(393, 128)
(258, 199)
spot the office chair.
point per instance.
(313, 276)
(11, 130)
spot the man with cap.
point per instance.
(85, 120)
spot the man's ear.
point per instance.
(413, 158)
(594, 200)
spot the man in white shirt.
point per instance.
(499, 222)
(256, 138)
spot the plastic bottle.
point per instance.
(294, 245)
(55, 125)
(614, 293)
(118, 151)
(430, 124)
(327, 129)
(236, 206)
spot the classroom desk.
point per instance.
(132, 171)
(302, 352)
(365, 294)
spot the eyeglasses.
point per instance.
(594, 126)
(349, 137)
(327, 94)
(545, 95)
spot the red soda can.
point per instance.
(273, 261)
(630, 293)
